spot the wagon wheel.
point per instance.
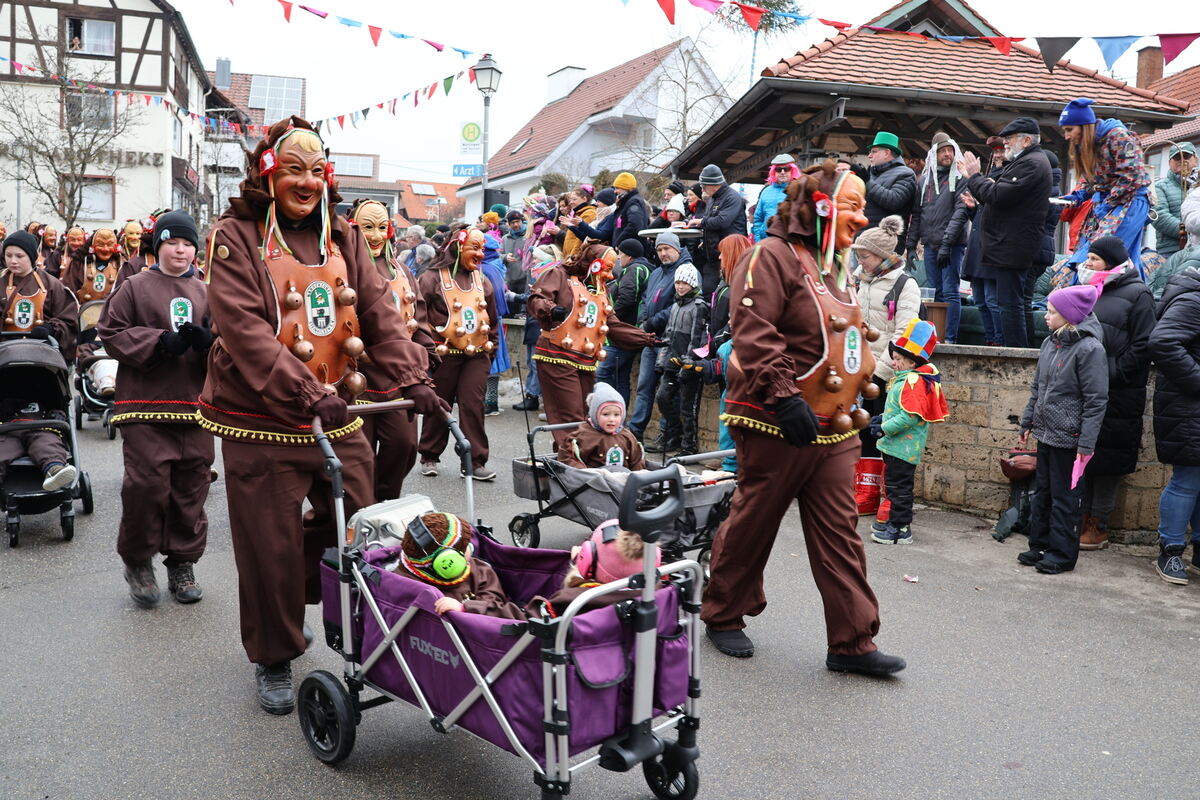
(326, 717)
(524, 530)
(669, 779)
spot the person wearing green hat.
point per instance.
(891, 184)
(1169, 192)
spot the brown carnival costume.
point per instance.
(572, 306)
(461, 310)
(295, 298)
(798, 349)
(394, 433)
(37, 303)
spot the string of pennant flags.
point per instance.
(419, 96)
(1052, 48)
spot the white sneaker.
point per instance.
(60, 475)
(429, 469)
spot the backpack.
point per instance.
(893, 297)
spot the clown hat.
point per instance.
(917, 341)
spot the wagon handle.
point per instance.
(650, 522)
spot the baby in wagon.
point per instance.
(609, 554)
(602, 440)
(436, 549)
(45, 447)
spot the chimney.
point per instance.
(223, 81)
(562, 82)
(1150, 66)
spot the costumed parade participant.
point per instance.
(799, 363)
(461, 309)
(93, 279)
(49, 254)
(782, 172)
(570, 301)
(33, 301)
(74, 250)
(394, 433)
(295, 299)
(158, 329)
(1107, 157)
(137, 247)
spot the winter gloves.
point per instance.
(796, 420)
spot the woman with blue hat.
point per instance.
(1107, 158)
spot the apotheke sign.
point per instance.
(115, 158)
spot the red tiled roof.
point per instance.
(1180, 131)
(1185, 85)
(968, 67)
(413, 204)
(558, 120)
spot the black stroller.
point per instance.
(33, 369)
(88, 401)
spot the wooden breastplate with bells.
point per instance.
(97, 283)
(405, 297)
(586, 326)
(23, 312)
(831, 388)
(467, 324)
(317, 320)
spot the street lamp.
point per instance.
(487, 80)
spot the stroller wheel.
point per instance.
(326, 717)
(704, 559)
(109, 428)
(78, 407)
(671, 780)
(524, 530)
(85, 493)
(14, 532)
(67, 521)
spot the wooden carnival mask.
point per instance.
(76, 239)
(372, 219)
(470, 248)
(850, 199)
(299, 176)
(50, 237)
(104, 244)
(131, 236)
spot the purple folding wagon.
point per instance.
(585, 688)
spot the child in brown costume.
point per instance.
(609, 554)
(436, 549)
(156, 325)
(34, 302)
(45, 447)
(603, 440)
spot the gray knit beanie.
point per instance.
(881, 240)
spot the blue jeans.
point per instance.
(647, 385)
(944, 281)
(724, 437)
(1010, 292)
(532, 385)
(1178, 506)
(615, 370)
(984, 291)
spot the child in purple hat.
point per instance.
(1066, 406)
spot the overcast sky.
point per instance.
(531, 38)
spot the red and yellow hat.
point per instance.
(917, 341)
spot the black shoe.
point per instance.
(308, 636)
(275, 692)
(1047, 567)
(181, 582)
(530, 403)
(1169, 565)
(1030, 557)
(663, 445)
(1194, 567)
(731, 643)
(143, 586)
(875, 664)
(686, 451)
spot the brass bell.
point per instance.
(588, 347)
(412, 325)
(841, 422)
(873, 334)
(410, 297)
(485, 328)
(860, 417)
(347, 296)
(460, 331)
(292, 300)
(457, 306)
(441, 349)
(482, 302)
(839, 324)
(603, 329)
(583, 300)
(870, 390)
(470, 349)
(568, 341)
(833, 383)
(303, 350)
(355, 383)
(8, 320)
(488, 346)
(601, 354)
(353, 347)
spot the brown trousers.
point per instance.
(395, 434)
(771, 474)
(43, 447)
(462, 380)
(163, 492)
(564, 390)
(278, 552)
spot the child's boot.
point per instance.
(1169, 564)
(143, 586)
(1091, 535)
(885, 536)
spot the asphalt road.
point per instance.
(1019, 685)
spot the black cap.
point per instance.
(175, 225)
(1109, 248)
(632, 247)
(606, 196)
(514, 216)
(677, 187)
(1021, 125)
(26, 241)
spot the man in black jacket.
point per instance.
(630, 215)
(725, 214)
(625, 290)
(1018, 199)
(891, 185)
(939, 222)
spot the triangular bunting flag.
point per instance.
(1001, 43)
(471, 75)
(366, 111)
(752, 14)
(147, 98)
(393, 108)
(400, 35)
(379, 105)
(447, 83)
(1113, 47)
(460, 51)
(710, 6)
(375, 32)
(349, 23)
(841, 26)
(952, 38)
(1054, 48)
(287, 10)
(432, 89)
(668, 8)
(434, 45)
(341, 120)
(318, 125)
(318, 12)
(1175, 43)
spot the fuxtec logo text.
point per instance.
(433, 651)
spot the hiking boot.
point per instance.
(480, 474)
(1169, 564)
(875, 664)
(143, 586)
(1030, 557)
(731, 643)
(181, 581)
(275, 692)
(429, 469)
(1091, 535)
(530, 403)
(58, 477)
